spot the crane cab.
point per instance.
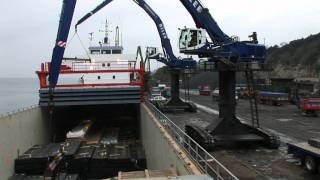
(152, 52)
(191, 39)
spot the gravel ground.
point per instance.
(260, 163)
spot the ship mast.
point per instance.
(91, 38)
(117, 38)
(106, 31)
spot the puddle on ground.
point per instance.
(284, 120)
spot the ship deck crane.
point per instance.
(224, 50)
(229, 55)
(168, 58)
(66, 16)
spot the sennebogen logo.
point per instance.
(163, 31)
(196, 4)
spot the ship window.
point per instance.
(114, 77)
(106, 52)
(99, 77)
(116, 51)
(95, 51)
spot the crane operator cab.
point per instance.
(153, 53)
(192, 39)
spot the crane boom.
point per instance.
(222, 46)
(95, 10)
(229, 55)
(204, 20)
(61, 41)
(165, 41)
(169, 58)
(175, 64)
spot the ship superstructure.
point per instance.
(108, 77)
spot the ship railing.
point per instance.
(202, 158)
(116, 65)
(131, 70)
(91, 66)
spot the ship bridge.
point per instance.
(87, 82)
(106, 49)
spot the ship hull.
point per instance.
(29, 127)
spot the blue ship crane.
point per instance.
(168, 58)
(229, 56)
(66, 16)
(175, 64)
(221, 45)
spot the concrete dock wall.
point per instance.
(161, 150)
(19, 131)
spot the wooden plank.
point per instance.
(148, 174)
(162, 173)
(119, 175)
(134, 174)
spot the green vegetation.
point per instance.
(161, 74)
(298, 58)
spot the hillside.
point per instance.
(200, 79)
(161, 74)
(299, 58)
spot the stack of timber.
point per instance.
(147, 174)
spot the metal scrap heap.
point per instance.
(78, 159)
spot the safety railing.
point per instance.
(80, 66)
(205, 161)
(121, 73)
(111, 65)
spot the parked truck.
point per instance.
(308, 153)
(273, 98)
(205, 91)
(309, 106)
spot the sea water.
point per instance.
(16, 93)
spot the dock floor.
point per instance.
(260, 163)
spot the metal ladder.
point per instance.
(252, 99)
(186, 84)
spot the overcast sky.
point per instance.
(28, 27)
